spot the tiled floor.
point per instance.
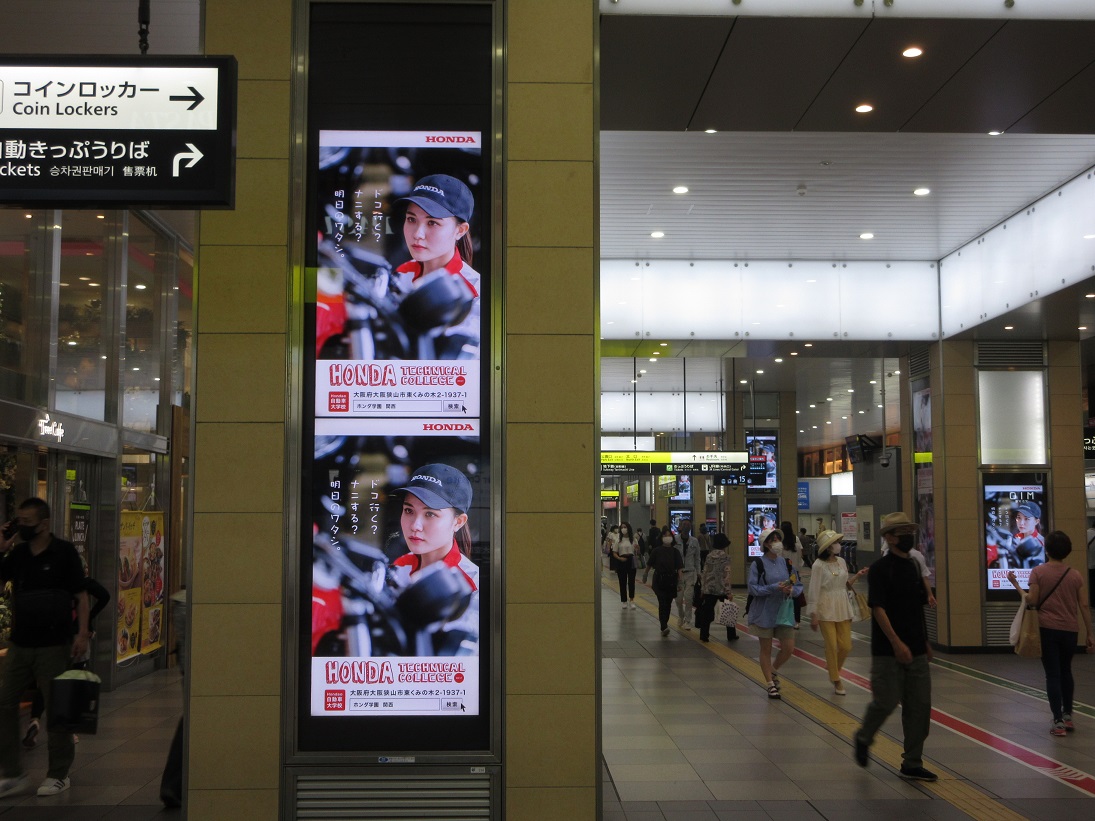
(688, 735)
(117, 771)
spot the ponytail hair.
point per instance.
(463, 540)
(464, 247)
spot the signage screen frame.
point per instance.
(763, 449)
(385, 451)
(757, 512)
(1004, 549)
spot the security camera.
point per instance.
(884, 459)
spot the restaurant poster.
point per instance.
(140, 606)
(399, 496)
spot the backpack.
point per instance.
(762, 578)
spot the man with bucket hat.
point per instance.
(900, 652)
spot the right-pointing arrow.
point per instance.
(191, 156)
(195, 96)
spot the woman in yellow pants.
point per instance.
(828, 604)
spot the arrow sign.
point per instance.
(195, 96)
(193, 156)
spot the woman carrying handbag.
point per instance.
(1058, 625)
(830, 607)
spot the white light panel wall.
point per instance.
(661, 413)
(1038, 251)
(1011, 408)
(769, 299)
(625, 443)
(1025, 9)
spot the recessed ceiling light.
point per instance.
(798, 411)
(93, 285)
(863, 108)
(29, 216)
(814, 427)
(140, 287)
(681, 189)
(71, 342)
(794, 353)
(744, 381)
(922, 192)
(84, 279)
(844, 417)
(652, 359)
(760, 371)
(802, 431)
(813, 406)
(828, 399)
(851, 390)
(897, 373)
(1009, 327)
(912, 51)
(995, 133)
(1090, 296)
(863, 411)
(874, 381)
(827, 422)
(663, 344)
(778, 359)
(808, 345)
(100, 216)
(710, 131)
(657, 234)
(880, 406)
(656, 353)
(642, 370)
(1082, 328)
(868, 235)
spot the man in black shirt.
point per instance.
(47, 579)
(900, 652)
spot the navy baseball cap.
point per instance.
(1032, 509)
(440, 486)
(440, 195)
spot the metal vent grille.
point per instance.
(919, 362)
(389, 796)
(931, 621)
(998, 624)
(1011, 354)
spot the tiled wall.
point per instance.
(551, 404)
(549, 422)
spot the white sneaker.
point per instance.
(14, 785)
(625, 605)
(53, 786)
(632, 605)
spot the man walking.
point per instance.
(690, 551)
(899, 649)
(667, 564)
(46, 576)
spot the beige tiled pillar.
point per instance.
(239, 452)
(550, 208)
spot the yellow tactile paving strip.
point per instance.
(959, 793)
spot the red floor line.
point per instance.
(1077, 779)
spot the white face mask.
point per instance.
(776, 548)
(667, 540)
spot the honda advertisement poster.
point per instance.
(1015, 510)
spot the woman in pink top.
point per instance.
(1058, 592)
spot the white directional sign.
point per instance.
(154, 97)
(144, 131)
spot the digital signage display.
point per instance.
(759, 516)
(763, 461)
(1015, 510)
(397, 530)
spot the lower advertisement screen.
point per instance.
(1014, 505)
(760, 516)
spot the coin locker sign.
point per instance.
(140, 131)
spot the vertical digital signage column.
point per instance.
(397, 541)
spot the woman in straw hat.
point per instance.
(828, 606)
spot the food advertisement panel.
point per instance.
(1015, 511)
(140, 584)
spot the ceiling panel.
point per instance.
(875, 72)
(657, 68)
(1024, 64)
(1069, 110)
(744, 197)
(771, 70)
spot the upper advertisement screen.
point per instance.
(763, 461)
(1014, 531)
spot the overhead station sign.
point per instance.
(145, 131)
(726, 464)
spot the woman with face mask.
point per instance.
(828, 606)
(667, 563)
(772, 581)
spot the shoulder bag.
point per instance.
(1029, 645)
(727, 612)
(858, 603)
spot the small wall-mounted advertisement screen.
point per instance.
(1015, 509)
(763, 462)
(760, 516)
(684, 489)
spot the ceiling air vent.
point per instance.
(1019, 355)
